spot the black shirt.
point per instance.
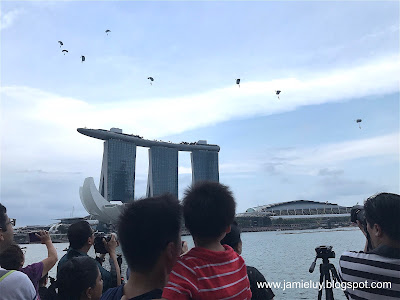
(258, 293)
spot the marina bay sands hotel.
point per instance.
(117, 178)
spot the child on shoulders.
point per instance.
(209, 270)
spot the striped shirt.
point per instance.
(370, 271)
(206, 274)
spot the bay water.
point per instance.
(281, 256)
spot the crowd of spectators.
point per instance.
(161, 265)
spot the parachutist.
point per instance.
(238, 82)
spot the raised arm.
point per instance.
(111, 246)
(52, 257)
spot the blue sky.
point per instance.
(334, 62)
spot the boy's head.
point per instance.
(12, 258)
(208, 209)
(149, 231)
(233, 238)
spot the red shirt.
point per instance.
(206, 274)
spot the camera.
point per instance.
(325, 252)
(358, 213)
(33, 238)
(98, 242)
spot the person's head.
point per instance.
(209, 210)
(43, 281)
(149, 233)
(12, 258)
(6, 228)
(80, 236)
(79, 278)
(382, 212)
(233, 238)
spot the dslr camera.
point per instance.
(358, 213)
(325, 252)
(98, 242)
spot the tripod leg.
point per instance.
(328, 291)
(321, 280)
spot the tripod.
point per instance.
(325, 269)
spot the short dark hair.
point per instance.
(208, 209)
(12, 257)
(233, 237)
(384, 209)
(146, 227)
(76, 276)
(3, 218)
(78, 234)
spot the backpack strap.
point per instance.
(6, 274)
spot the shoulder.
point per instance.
(63, 259)
(17, 275)
(255, 274)
(154, 294)
(362, 257)
(17, 285)
(113, 293)
(34, 267)
(369, 265)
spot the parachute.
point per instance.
(61, 43)
(83, 58)
(65, 51)
(238, 82)
(277, 93)
(107, 31)
(359, 121)
(151, 80)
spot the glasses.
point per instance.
(12, 222)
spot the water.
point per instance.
(279, 255)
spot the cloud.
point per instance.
(321, 160)
(330, 172)
(8, 19)
(344, 191)
(334, 153)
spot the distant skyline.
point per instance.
(335, 62)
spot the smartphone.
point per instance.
(33, 238)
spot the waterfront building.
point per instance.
(295, 214)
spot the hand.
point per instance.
(44, 236)
(361, 226)
(184, 247)
(111, 245)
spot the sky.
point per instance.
(334, 62)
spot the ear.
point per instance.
(171, 251)
(378, 230)
(228, 229)
(89, 292)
